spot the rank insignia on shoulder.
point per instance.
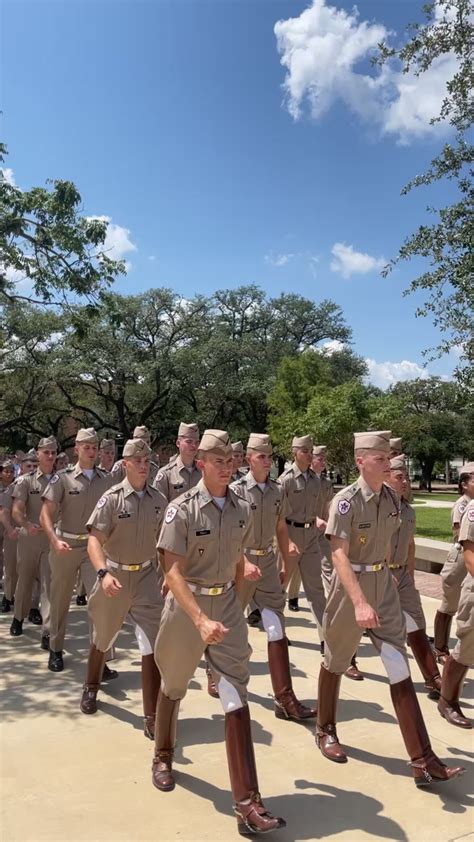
(160, 475)
(343, 507)
(171, 513)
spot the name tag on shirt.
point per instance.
(365, 525)
(123, 515)
(177, 487)
(203, 532)
(74, 492)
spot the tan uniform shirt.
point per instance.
(175, 479)
(325, 497)
(467, 524)
(119, 473)
(302, 494)
(76, 496)
(458, 510)
(365, 519)
(6, 497)
(130, 522)
(30, 489)
(267, 506)
(212, 540)
(402, 538)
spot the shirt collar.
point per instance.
(206, 497)
(78, 470)
(298, 473)
(252, 482)
(366, 490)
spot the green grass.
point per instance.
(443, 495)
(434, 523)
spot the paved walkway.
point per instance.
(432, 504)
(71, 778)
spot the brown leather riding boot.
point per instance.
(326, 734)
(426, 767)
(451, 687)
(165, 739)
(95, 666)
(151, 680)
(424, 657)
(442, 628)
(252, 817)
(287, 705)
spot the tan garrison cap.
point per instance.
(302, 441)
(373, 440)
(61, 455)
(398, 463)
(142, 433)
(106, 443)
(31, 456)
(468, 468)
(396, 445)
(217, 441)
(136, 447)
(188, 431)
(48, 441)
(261, 443)
(237, 447)
(320, 450)
(86, 435)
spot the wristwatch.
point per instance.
(102, 572)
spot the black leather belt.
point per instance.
(300, 525)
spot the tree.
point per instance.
(447, 243)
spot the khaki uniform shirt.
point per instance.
(326, 495)
(467, 524)
(6, 498)
(175, 479)
(130, 522)
(459, 508)
(76, 496)
(30, 489)
(365, 519)
(210, 539)
(402, 538)
(302, 494)
(119, 473)
(267, 506)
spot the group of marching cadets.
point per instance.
(181, 551)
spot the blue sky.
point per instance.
(173, 120)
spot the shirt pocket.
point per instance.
(236, 538)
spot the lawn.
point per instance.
(444, 495)
(434, 523)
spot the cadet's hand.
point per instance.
(61, 546)
(283, 578)
(211, 631)
(164, 590)
(111, 585)
(32, 528)
(293, 549)
(321, 524)
(366, 616)
(252, 572)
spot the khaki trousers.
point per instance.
(10, 573)
(452, 577)
(464, 649)
(409, 600)
(32, 566)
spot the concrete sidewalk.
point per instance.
(71, 778)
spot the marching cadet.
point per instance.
(182, 474)
(363, 595)
(203, 538)
(237, 460)
(106, 454)
(10, 537)
(61, 462)
(32, 550)
(462, 656)
(123, 531)
(268, 506)
(402, 565)
(118, 469)
(69, 499)
(302, 489)
(454, 569)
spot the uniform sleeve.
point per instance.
(54, 491)
(174, 532)
(466, 533)
(162, 502)
(161, 483)
(457, 512)
(6, 501)
(20, 491)
(248, 538)
(102, 518)
(341, 515)
(284, 507)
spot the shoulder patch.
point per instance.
(462, 508)
(171, 513)
(159, 475)
(470, 515)
(101, 502)
(343, 506)
(54, 478)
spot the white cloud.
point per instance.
(348, 262)
(117, 240)
(326, 52)
(386, 374)
(8, 176)
(278, 260)
(332, 346)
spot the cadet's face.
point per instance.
(61, 464)
(187, 447)
(374, 466)
(469, 486)
(87, 454)
(107, 457)
(6, 476)
(46, 459)
(28, 466)
(303, 457)
(260, 464)
(238, 461)
(216, 470)
(137, 468)
(399, 482)
(318, 464)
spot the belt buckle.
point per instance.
(260, 552)
(307, 525)
(377, 567)
(215, 591)
(82, 537)
(133, 567)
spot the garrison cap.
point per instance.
(468, 468)
(237, 447)
(216, 441)
(373, 440)
(86, 435)
(302, 441)
(6, 463)
(136, 447)
(141, 433)
(61, 455)
(188, 431)
(261, 443)
(398, 463)
(106, 443)
(48, 441)
(396, 445)
(31, 456)
(320, 450)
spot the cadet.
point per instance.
(123, 530)
(106, 454)
(454, 569)
(61, 462)
(10, 537)
(237, 460)
(32, 551)
(268, 504)
(462, 656)
(203, 539)
(302, 490)
(182, 474)
(70, 499)
(402, 565)
(118, 469)
(363, 595)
